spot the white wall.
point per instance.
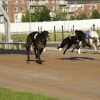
(78, 24)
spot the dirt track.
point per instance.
(72, 76)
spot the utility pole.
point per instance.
(29, 16)
(67, 16)
(30, 21)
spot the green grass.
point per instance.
(7, 94)
(19, 37)
(22, 37)
(16, 37)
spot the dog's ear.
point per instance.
(41, 31)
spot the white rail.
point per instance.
(50, 46)
(12, 45)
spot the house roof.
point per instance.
(82, 1)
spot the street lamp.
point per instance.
(67, 16)
(30, 20)
(29, 2)
(69, 11)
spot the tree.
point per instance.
(25, 18)
(59, 15)
(82, 16)
(95, 15)
(77, 17)
(41, 13)
(45, 14)
(72, 17)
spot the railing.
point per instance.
(12, 45)
(62, 2)
(35, 3)
(50, 46)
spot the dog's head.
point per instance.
(96, 41)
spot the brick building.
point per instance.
(16, 8)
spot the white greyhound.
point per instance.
(94, 40)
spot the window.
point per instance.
(90, 7)
(39, 0)
(53, 8)
(76, 14)
(76, 8)
(31, 1)
(32, 8)
(6, 2)
(16, 9)
(90, 13)
(68, 7)
(95, 6)
(22, 8)
(6, 9)
(15, 1)
(22, 1)
(16, 17)
(46, 1)
(82, 7)
(52, 1)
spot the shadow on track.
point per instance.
(79, 58)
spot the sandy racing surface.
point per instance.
(70, 76)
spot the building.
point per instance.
(16, 8)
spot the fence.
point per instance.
(62, 32)
(12, 45)
(35, 26)
(54, 36)
(50, 46)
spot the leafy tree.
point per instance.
(26, 18)
(56, 17)
(41, 13)
(72, 17)
(77, 17)
(95, 15)
(45, 14)
(82, 16)
(59, 15)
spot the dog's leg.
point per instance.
(68, 46)
(28, 45)
(79, 51)
(76, 47)
(93, 45)
(35, 51)
(28, 49)
(38, 54)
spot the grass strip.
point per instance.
(8, 94)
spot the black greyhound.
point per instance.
(38, 41)
(70, 40)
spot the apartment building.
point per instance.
(16, 8)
